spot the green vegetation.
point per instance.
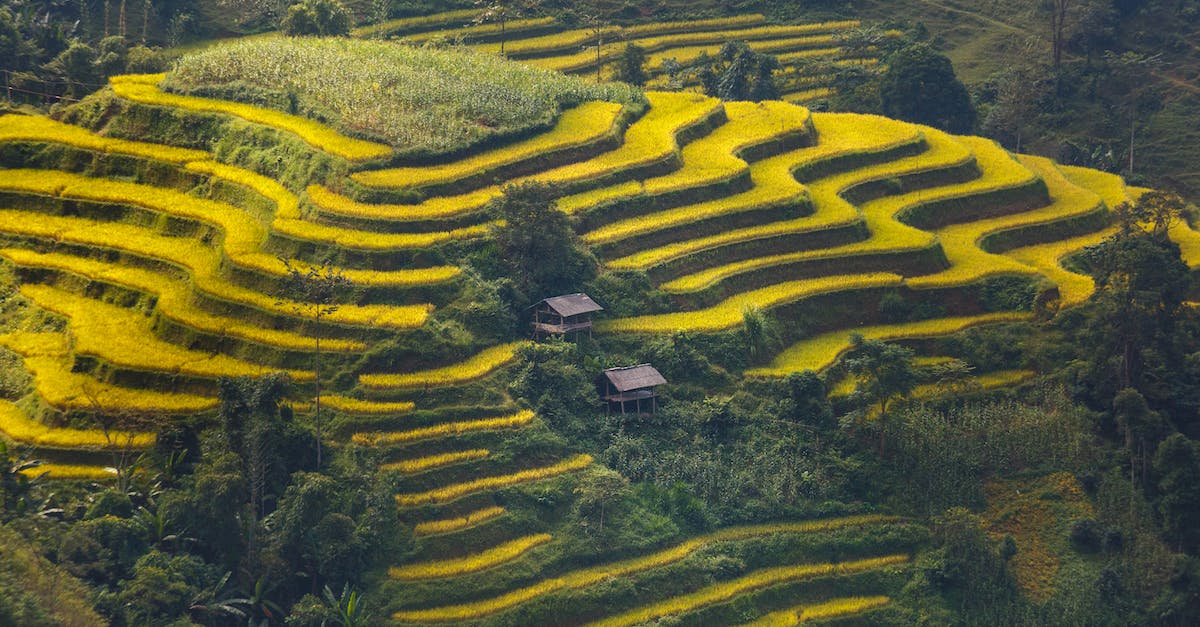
(398, 94)
(253, 352)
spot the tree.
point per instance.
(501, 11)
(599, 490)
(885, 373)
(77, 66)
(631, 67)
(920, 86)
(1177, 464)
(326, 18)
(537, 244)
(315, 293)
(1141, 283)
(738, 73)
(1131, 69)
(1057, 11)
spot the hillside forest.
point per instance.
(649, 312)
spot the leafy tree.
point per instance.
(1132, 334)
(326, 18)
(885, 373)
(1177, 464)
(315, 293)
(739, 73)
(631, 67)
(598, 491)
(77, 66)
(539, 249)
(920, 86)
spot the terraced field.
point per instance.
(805, 51)
(162, 288)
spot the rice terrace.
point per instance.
(390, 312)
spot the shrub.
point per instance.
(327, 18)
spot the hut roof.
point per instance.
(571, 305)
(634, 377)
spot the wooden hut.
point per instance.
(631, 384)
(560, 315)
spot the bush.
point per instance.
(327, 18)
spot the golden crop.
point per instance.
(475, 367)
(144, 89)
(36, 128)
(452, 492)
(18, 427)
(490, 558)
(448, 525)
(724, 591)
(421, 464)
(590, 576)
(833, 608)
(519, 419)
(579, 126)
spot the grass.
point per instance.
(590, 576)
(459, 490)
(36, 128)
(710, 159)
(728, 590)
(730, 313)
(144, 89)
(451, 525)
(201, 262)
(421, 464)
(124, 338)
(588, 123)
(48, 358)
(436, 208)
(819, 352)
(478, 366)
(18, 427)
(490, 558)
(519, 419)
(833, 608)
(419, 100)
(840, 135)
(174, 300)
(31, 578)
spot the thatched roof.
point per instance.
(571, 305)
(634, 377)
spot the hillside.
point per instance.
(188, 251)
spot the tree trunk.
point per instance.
(107, 14)
(121, 18)
(146, 20)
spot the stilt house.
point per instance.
(564, 314)
(631, 384)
